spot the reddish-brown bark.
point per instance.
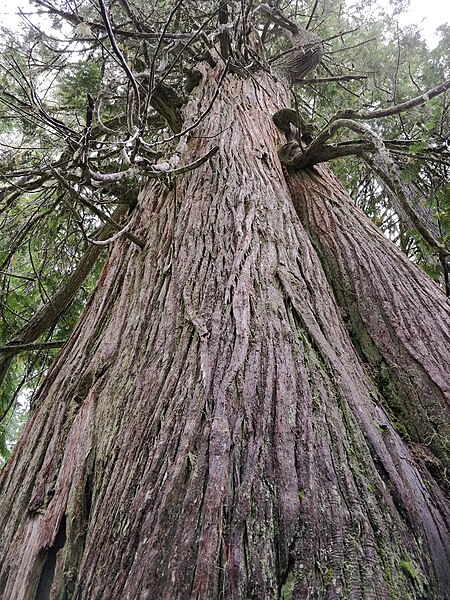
(209, 430)
(399, 320)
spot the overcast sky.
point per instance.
(427, 14)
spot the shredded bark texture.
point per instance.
(210, 430)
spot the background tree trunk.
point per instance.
(209, 429)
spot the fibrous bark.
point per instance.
(209, 430)
(398, 318)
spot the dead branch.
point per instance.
(398, 108)
(292, 156)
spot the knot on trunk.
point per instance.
(303, 131)
(304, 56)
(290, 153)
(307, 47)
(299, 134)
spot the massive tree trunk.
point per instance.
(213, 427)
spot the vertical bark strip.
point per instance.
(399, 319)
(208, 430)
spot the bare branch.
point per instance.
(292, 155)
(104, 217)
(398, 108)
(331, 79)
(120, 56)
(15, 349)
(160, 41)
(75, 20)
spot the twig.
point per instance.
(120, 56)
(104, 217)
(331, 79)
(16, 348)
(311, 16)
(160, 41)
